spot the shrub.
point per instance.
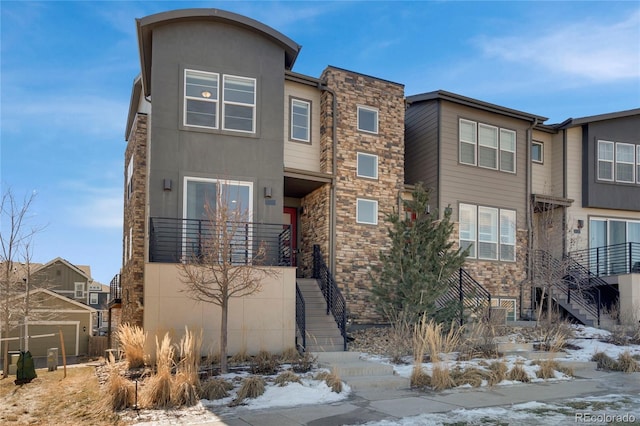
(468, 376)
(240, 357)
(604, 361)
(290, 355)
(252, 387)
(547, 369)
(304, 363)
(518, 374)
(132, 340)
(334, 382)
(626, 363)
(215, 388)
(497, 372)
(287, 377)
(264, 363)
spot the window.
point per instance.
(638, 164)
(238, 104)
(487, 146)
(130, 243)
(201, 99)
(367, 165)
(79, 290)
(625, 162)
(537, 152)
(605, 160)
(93, 298)
(367, 211)
(367, 119)
(300, 120)
(508, 304)
(489, 232)
(507, 150)
(130, 178)
(468, 142)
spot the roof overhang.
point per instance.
(146, 25)
(298, 183)
(542, 202)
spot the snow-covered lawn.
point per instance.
(317, 392)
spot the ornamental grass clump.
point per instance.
(518, 373)
(287, 377)
(186, 383)
(497, 372)
(251, 387)
(157, 391)
(215, 388)
(626, 363)
(120, 391)
(132, 340)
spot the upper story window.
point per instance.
(300, 120)
(201, 99)
(93, 298)
(537, 152)
(619, 162)
(367, 165)
(367, 211)
(79, 290)
(202, 93)
(367, 119)
(488, 232)
(487, 146)
(239, 104)
(130, 178)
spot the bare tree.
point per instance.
(224, 261)
(15, 245)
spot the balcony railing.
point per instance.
(616, 259)
(115, 289)
(180, 240)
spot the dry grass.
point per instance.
(185, 384)
(469, 376)
(334, 382)
(264, 363)
(419, 379)
(240, 357)
(626, 363)
(132, 340)
(304, 363)
(518, 374)
(215, 388)
(604, 361)
(441, 378)
(400, 339)
(287, 377)
(553, 335)
(252, 387)
(120, 391)
(290, 355)
(478, 341)
(547, 369)
(184, 391)
(157, 391)
(497, 372)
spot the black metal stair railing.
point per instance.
(336, 304)
(468, 293)
(615, 259)
(115, 289)
(300, 318)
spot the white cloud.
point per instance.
(589, 49)
(91, 206)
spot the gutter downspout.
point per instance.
(564, 190)
(529, 213)
(334, 170)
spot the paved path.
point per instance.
(384, 404)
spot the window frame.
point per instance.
(496, 131)
(225, 103)
(130, 178)
(638, 164)
(468, 242)
(474, 210)
(632, 162)
(541, 145)
(78, 294)
(514, 152)
(512, 235)
(91, 298)
(375, 212)
(361, 175)
(494, 234)
(611, 162)
(215, 100)
(293, 100)
(474, 142)
(376, 121)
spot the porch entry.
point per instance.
(290, 217)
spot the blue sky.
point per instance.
(67, 69)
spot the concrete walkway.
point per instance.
(375, 404)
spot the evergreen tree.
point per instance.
(416, 268)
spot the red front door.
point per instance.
(290, 217)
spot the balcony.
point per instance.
(180, 240)
(115, 291)
(616, 259)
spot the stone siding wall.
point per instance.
(314, 227)
(358, 245)
(132, 277)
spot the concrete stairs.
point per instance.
(323, 334)
(361, 374)
(579, 312)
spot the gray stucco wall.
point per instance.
(177, 151)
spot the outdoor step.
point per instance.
(361, 368)
(325, 348)
(510, 347)
(579, 365)
(377, 382)
(542, 355)
(338, 356)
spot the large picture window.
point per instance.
(488, 232)
(487, 146)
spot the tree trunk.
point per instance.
(223, 336)
(5, 357)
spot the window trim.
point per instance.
(632, 162)
(364, 154)
(496, 148)
(541, 144)
(612, 161)
(474, 142)
(515, 143)
(91, 298)
(216, 125)
(292, 100)
(476, 145)
(130, 177)
(225, 77)
(475, 209)
(78, 285)
(377, 118)
(638, 164)
(375, 213)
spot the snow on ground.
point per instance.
(317, 392)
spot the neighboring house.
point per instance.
(474, 157)
(49, 314)
(317, 163)
(98, 299)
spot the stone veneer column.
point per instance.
(358, 245)
(132, 276)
